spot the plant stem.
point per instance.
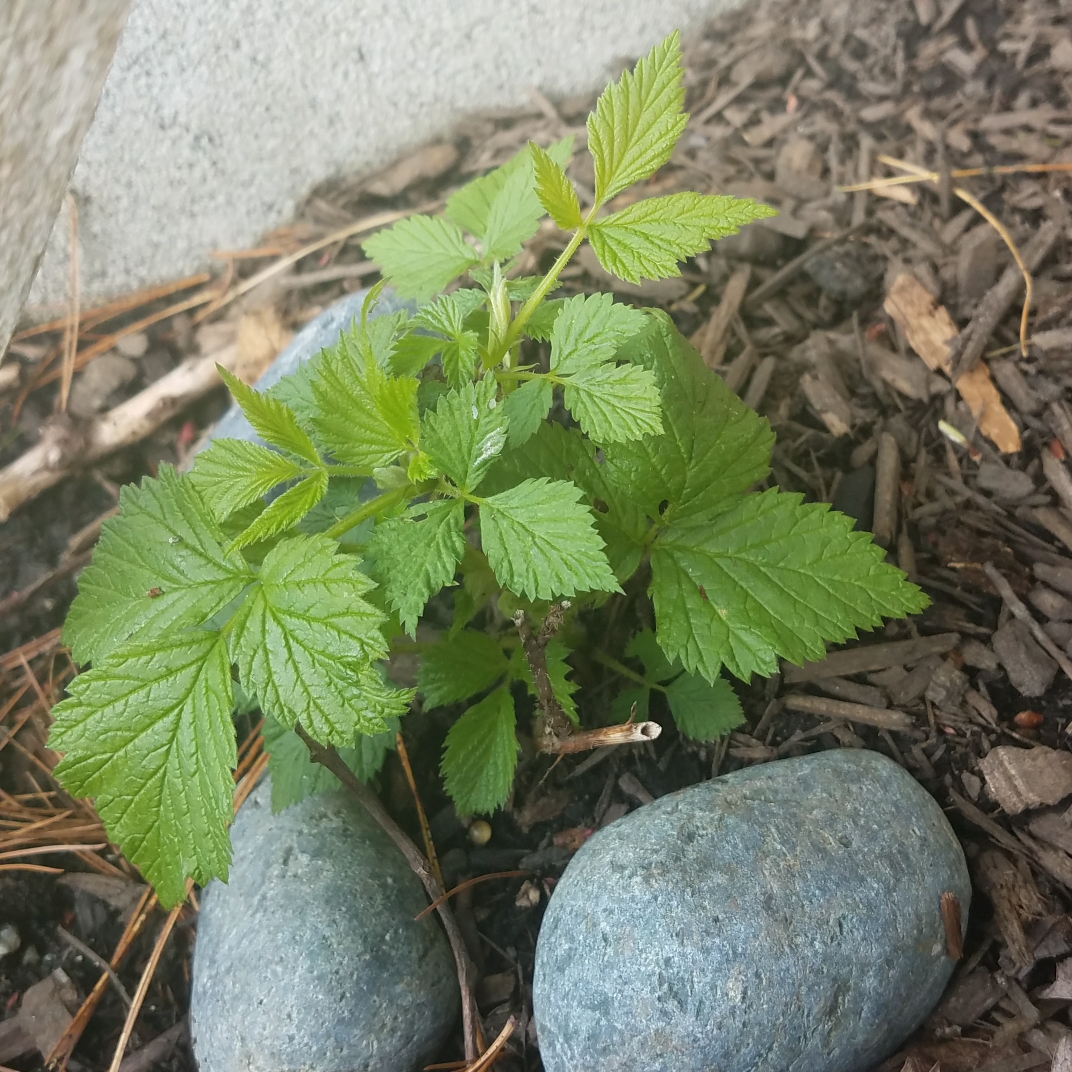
(369, 509)
(620, 668)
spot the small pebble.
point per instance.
(10, 940)
(133, 345)
(92, 386)
(847, 272)
(480, 832)
(1002, 482)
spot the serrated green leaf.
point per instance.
(448, 312)
(647, 239)
(466, 433)
(555, 191)
(703, 711)
(555, 655)
(413, 352)
(413, 557)
(713, 447)
(233, 473)
(364, 416)
(615, 403)
(159, 566)
(295, 776)
(273, 421)
(303, 639)
(637, 121)
(542, 322)
(420, 255)
(478, 586)
(460, 667)
(589, 330)
(147, 733)
(542, 543)
(480, 755)
(644, 646)
(769, 577)
(284, 511)
(525, 410)
(343, 496)
(621, 707)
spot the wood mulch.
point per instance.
(832, 320)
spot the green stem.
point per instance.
(369, 509)
(620, 668)
(346, 470)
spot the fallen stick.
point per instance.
(881, 717)
(872, 657)
(64, 447)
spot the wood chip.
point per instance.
(886, 719)
(1014, 897)
(872, 657)
(713, 340)
(261, 337)
(832, 409)
(1022, 778)
(887, 490)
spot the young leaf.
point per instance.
(413, 352)
(147, 732)
(295, 776)
(555, 191)
(365, 417)
(646, 648)
(458, 668)
(420, 255)
(713, 447)
(232, 473)
(648, 238)
(589, 330)
(303, 639)
(446, 315)
(542, 322)
(466, 433)
(481, 754)
(414, 556)
(525, 410)
(638, 120)
(159, 566)
(271, 419)
(615, 403)
(284, 511)
(701, 710)
(542, 543)
(769, 578)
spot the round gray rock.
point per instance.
(309, 957)
(781, 917)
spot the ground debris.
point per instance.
(1022, 778)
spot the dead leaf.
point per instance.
(929, 328)
(261, 336)
(1022, 778)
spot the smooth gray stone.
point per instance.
(784, 917)
(309, 957)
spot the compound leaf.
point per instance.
(303, 640)
(466, 433)
(615, 403)
(159, 566)
(232, 473)
(703, 710)
(637, 121)
(414, 556)
(420, 255)
(480, 755)
(589, 330)
(647, 239)
(770, 577)
(460, 667)
(271, 419)
(542, 543)
(147, 732)
(284, 511)
(555, 191)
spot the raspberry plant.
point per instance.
(206, 592)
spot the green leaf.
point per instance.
(540, 325)
(413, 352)
(458, 668)
(364, 416)
(770, 577)
(713, 447)
(274, 422)
(621, 707)
(647, 239)
(525, 409)
(542, 543)
(303, 639)
(589, 330)
(555, 655)
(413, 557)
(159, 566)
(704, 711)
(646, 648)
(615, 403)
(420, 255)
(295, 776)
(447, 315)
(232, 473)
(501, 208)
(466, 433)
(284, 511)
(480, 755)
(555, 191)
(637, 121)
(147, 732)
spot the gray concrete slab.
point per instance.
(219, 116)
